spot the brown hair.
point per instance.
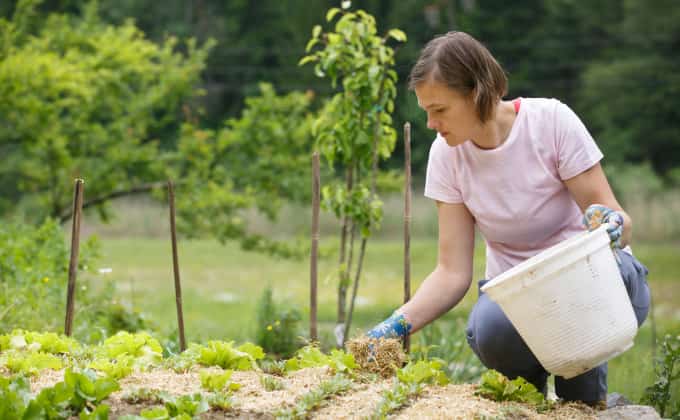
(464, 64)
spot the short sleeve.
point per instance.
(575, 147)
(440, 178)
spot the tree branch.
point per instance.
(139, 189)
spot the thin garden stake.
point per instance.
(75, 247)
(407, 222)
(175, 266)
(313, 272)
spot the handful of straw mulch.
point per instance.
(382, 356)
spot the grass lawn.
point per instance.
(221, 286)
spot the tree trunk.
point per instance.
(343, 269)
(362, 252)
(357, 276)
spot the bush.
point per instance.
(277, 328)
(667, 369)
(34, 277)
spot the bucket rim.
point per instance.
(593, 237)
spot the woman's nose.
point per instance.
(431, 123)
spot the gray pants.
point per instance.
(498, 345)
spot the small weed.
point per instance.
(271, 383)
(143, 395)
(411, 379)
(273, 367)
(313, 399)
(220, 401)
(277, 328)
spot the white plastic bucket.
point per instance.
(569, 304)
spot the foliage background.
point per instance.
(613, 61)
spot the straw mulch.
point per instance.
(254, 402)
(460, 402)
(381, 356)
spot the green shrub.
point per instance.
(33, 281)
(667, 368)
(278, 328)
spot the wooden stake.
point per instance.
(313, 272)
(75, 248)
(175, 266)
(407, 222)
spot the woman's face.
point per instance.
(449, 112)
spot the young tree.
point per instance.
(353, 132)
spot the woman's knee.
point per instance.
(496, 341)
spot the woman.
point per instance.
(527, 174)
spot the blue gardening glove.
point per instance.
(396, 326)
(597, 214)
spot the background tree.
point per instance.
(549, 48)
(258, 161)
(81, 98)
(630, 93)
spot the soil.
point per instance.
(254, 402)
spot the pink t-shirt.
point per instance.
(516, 192)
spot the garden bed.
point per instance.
(253, 401)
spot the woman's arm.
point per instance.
(591, 187)
(451, 278)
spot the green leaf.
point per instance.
(117, 368)
(316, 31)
(214, 381)
(101, 412)
(496, 386)
(224, 355)
(292, 365)
(155, 413)
(342, 362)
(307, 59)
(252, 349)
(220, 401)
(397, 34)
(311, 356)
(318, 71)
(331, 13)
(310, 44)
(33, 362)
(104, 387)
